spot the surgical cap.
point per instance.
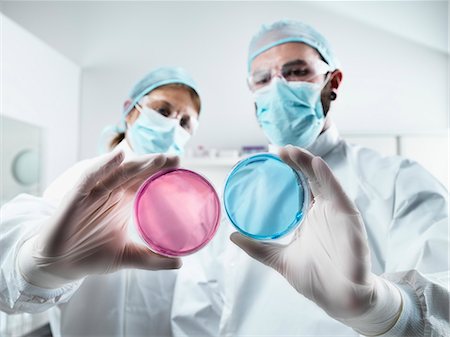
(157, 78)
(285, 31)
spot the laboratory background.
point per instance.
(66, 69)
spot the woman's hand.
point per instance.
(88, 232)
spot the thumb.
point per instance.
(268, 253)
(330, 188)
(141, 257)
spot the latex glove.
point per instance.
(328, 260)
(88, 232)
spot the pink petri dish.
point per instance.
(177, 212)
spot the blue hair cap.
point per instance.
(284, 31)
(157, 78)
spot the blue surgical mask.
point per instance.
(290, 112)
(153, 133)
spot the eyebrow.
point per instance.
(163, 102)
(295, 63)
(292, 63)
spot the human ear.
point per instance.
(335, 80)
(126, 104)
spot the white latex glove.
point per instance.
(88, 232)
(328, 260)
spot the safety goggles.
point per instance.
(293, 71)
(187, 122)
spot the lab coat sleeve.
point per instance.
(417, 257)
(21, 218)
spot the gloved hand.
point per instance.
(328, 260)
(88, 232)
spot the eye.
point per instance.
(164, 111)
(261, 78)
(189, 123)
(295, 73)
(185, 122)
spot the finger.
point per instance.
(141, 257)
(330, 187)
(321, 179)
(103, 166)
(265, 252)
(139, 168)
(298, 158)
(301, 160)
(133, 184)
(172, 162)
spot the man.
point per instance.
(371, 256)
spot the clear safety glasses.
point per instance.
(293, 71)
(187, 122)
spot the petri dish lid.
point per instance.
(265, 198)
(177, 212)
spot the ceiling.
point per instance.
(91, 33)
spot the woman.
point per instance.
(71, 252)
(161, 114)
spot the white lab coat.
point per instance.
(220, 291)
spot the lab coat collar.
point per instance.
(326, 141)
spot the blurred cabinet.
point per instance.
(214, 169)
(20, 158)
(21, 167)
(431, 152)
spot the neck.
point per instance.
(326, 125)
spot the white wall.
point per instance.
(42, 87)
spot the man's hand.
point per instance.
(328, 261)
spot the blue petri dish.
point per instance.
(264, 198)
